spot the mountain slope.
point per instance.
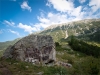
(81, 63)
(88, 29)
(4, 45)
(80, 28)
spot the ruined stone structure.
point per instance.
(33, 48)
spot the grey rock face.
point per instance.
(33, 48)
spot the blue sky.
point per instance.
(19, 18)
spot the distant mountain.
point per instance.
(4, 45)
(88, 29)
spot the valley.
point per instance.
(68, 50)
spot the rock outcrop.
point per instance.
(33, 48)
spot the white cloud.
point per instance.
(82, 1)
(95, 5)
(44, 20)
(56, 17)
(66, 8)
(14, 32)
(76, 11)
(27, 28)
(71, 12)
(66, 12)
(25, 5)
(49, 19)
(61, 5)
(10, 23)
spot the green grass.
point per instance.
(1, 52)
(24, 68)
(81, 64)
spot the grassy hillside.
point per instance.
(14, 67)
(87, 30)
(4, 45)
(81, 64)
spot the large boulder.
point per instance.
(33, 48)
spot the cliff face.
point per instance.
(33, 48)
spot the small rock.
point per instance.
(27, 66)
(40, 73)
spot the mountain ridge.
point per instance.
(85, 20)
(76, 28)
(86, 28)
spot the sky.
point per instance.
(19, 18)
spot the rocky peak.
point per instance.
(33, 48)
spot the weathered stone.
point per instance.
(33, 48)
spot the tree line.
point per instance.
(84, 47)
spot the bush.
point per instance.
(84, 47)
(57, 44)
